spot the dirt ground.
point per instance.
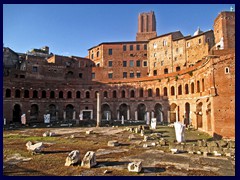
(156, 160)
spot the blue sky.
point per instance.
(71, 29)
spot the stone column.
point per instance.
(169, 115)
(190, 117)
(64, 115)
(161, 116)
(136, 115)
(74, 114)
(118, 115)
(122, 119)
(128, 113)
(148, 118)
(98, 110)
(152, 114)
(176, 115)
(4, 121)
(107, 116)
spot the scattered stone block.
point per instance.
(142, 132)
(135, 166)
(131, 136)
(106, 172)
(231, 144)
(174, 151)
(72, 136)
(179, 131)
(145, 145)
(215, 153)
(89, 160)
(145, 138)
(212, 144)
(205, 154)
(199, 152)
(136, 130)
(73, 158)
(34, 148)
(89, 132)
(153, 144)
(113, 143)
(163, 142)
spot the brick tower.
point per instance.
(224, 30)
(146, 26)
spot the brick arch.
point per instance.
(141, 111)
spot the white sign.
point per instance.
(179, 130)
(46, 118)
(23, 119)
(153, 123)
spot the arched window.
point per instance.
(192, 87)
(203, 88)
(78, 94)
(87, 94)
(44, 94)
(17, 93)
(69, 94)
(60, 95)
(141, 92)
(132, 94)
(186, 89)
(52, 94)
(172, 91)
(157, 92)
(149, 92)
(35, 94)
(96, 94)
(165, 91)
(26, 93)
(123, 94)
(105, 94)
(198, 86)
(8, 93)
(180, 90)
(114, 95)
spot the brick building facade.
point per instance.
(171, 77)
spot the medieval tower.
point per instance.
(146, 26)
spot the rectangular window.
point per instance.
(138, 74)
(175, 58)
(131, 47)
(155, 72)
(80, 75)
(124, 47)
(124, 63)
(138, 63)
(144, 63)
(145, 47)
(124, 74)
(131, 63)
(109, 51)
(199, 41)
(138, 47)
(110, 75)
(93, 75)
(131, 74)
(34, 69)
(109, 63)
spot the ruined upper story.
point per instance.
(160, 55)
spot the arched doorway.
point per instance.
(199, 114)
(69, 112)
(17, 112)
(52, 111)
(187, 114)
(173, 110)
(141, 110)
(158, 112)
(106, 112)
(123, 110)
(34, 112)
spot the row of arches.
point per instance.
(115, 94)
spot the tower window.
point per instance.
(227, 70)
